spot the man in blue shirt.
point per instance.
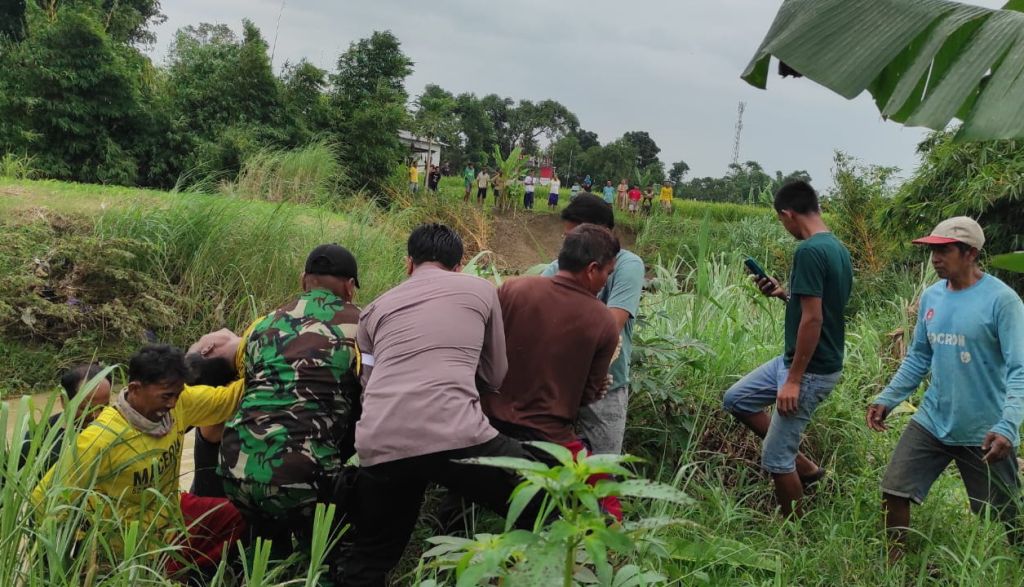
(608, 191)
(603, 423)
(970, 337)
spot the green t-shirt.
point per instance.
(821, 269)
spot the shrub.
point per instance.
(307, 175)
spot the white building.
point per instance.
(422, 149)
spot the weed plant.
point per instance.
(308, 175)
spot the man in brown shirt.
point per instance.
(560, 340)
(427, 346)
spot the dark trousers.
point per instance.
(528, 200)
(387, 498)
(920, 458)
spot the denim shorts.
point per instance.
(759, 390)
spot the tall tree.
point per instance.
(614, 161)
(477, 128)
(12, 21)
(125, 21)
(368, 102)
(528, 122)
(224, 93)
(74, 95)
(436, 119)
(303, 87)
(678, 172)
(646, 149)
(586, 138)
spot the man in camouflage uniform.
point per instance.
(284, 449)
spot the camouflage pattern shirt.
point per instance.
(301, 395)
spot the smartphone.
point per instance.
(754, 268)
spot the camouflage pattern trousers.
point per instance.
(281, 515)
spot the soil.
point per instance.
(521, 240)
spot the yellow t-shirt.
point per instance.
(414, 173)
(131, 467)
(666, 194)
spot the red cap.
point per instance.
(934, 240)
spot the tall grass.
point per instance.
(307, 175)
(701, 327)
(18, 166)
(720, 328)
(229, 261)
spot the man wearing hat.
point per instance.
(283, 450)
(970, 338)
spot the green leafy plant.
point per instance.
(924, 63)
(511, 168)
(579, 546)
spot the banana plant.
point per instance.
(511, 168)
(925, 62)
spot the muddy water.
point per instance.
(39, 412)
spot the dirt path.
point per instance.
(521, 240)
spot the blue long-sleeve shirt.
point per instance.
(972, 342)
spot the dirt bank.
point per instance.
(521, 240)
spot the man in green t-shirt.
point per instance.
(468, 175)
(804, 375)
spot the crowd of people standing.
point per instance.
(485, 180)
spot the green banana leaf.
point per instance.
(925, 62)
(1009, 261)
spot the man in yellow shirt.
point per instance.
(131, 453)
(665, 197)
(414, 177)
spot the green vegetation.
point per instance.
(179, 264)
(923, 63)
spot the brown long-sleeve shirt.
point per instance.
(560, 340)
(426, 344)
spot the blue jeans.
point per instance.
(759, 390)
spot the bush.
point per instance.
(307, 175)
(15, 166)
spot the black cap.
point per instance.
(332, 259)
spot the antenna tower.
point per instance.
(739, 132)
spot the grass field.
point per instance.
(175, 265)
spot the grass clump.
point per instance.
(308, 175)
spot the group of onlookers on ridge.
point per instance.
(445, 367)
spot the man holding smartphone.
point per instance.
(797, 381)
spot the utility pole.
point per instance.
(739, 131)
(277, 29)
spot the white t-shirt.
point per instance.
(555, 186)
(528, 182)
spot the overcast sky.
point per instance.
(670, 67)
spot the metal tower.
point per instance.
(739, 131)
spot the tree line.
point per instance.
(79, 97)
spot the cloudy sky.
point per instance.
(670, 67)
